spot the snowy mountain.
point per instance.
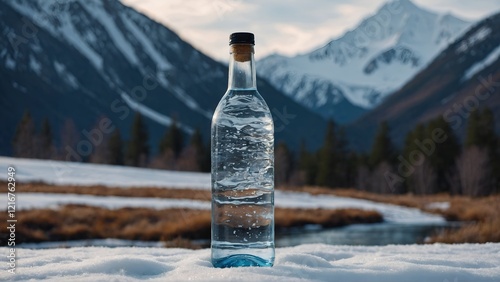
(463, 76)
(356, 71)
(81, 60)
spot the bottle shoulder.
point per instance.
(242, 107)
(237, 102)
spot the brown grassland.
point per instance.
(481, 215)
(176, 227)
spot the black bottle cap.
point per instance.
(242, 38)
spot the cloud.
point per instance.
(285, 26)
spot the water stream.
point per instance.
(362, 234)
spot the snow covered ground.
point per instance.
(27, 201)
(467, 262)
(70, 173)
(108, 242)
(63, 173)
(315, 262)
(391, 213)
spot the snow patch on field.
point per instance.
(26, 201)
(315, 262)
(70, 173)
(391, 213)
(65, 173)
(438, 206)
(109, 242)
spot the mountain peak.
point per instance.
(403, 3)
(400, 6)
(367, 63)
(100, 58)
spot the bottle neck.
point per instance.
(241, 67)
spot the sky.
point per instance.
(287, 27)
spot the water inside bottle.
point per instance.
(242, 181)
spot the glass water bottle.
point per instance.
(242, 151)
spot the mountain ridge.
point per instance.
(463, 76)
(85, 59)
(366, 63)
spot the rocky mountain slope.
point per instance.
(81, 60)
(464, 76)
(355, 72)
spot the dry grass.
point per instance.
(481, 215)
(285, 218)
(406, 200)
(100, 190)
(76, 222)
(477, 232)
(175, 227)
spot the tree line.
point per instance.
(432, 159)
(172, 153)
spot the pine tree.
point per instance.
(306, 167)
(410, 147)
(345, 163)
(69, 139)
(202, 152)
(351, 169)
(282, 164)
(326, 161)
(193, 156)
(363, 173)
(45, 140)
(100, 154)
(473, 135)
(172, 139)
(138, 148)
(115, 148)
(412, 153)
(442, 160)
(382, 149)
(380, 162)
(481, 130)
(481, 134)
(23, 141)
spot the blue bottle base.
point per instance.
(242, 260)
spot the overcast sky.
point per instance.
(284, 26)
